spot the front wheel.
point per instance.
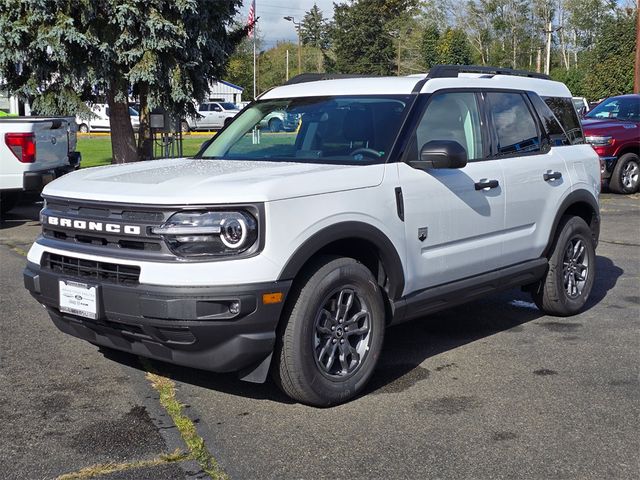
(626, 174)
(566, 287)
(332, 334)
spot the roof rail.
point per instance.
(314, 77)
(452, 71)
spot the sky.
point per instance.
(273, 28)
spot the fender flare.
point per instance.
(577, 196)
(350, 230)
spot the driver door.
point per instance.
(453, 224)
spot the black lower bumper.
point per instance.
(221, 329)
(36, 181)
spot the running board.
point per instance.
(433, 299)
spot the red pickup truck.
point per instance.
(613, 130)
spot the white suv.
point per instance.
(292, 252)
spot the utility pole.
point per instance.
(287, 66)
(636, 77)
(297, 25)
(398, 53)
(549, 31)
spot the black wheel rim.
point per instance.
(575, 267)
(342, 333)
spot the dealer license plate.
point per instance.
(78, 299)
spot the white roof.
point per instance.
(405, 85)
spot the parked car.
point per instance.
(211, 116)
(613, 130)
(33, 152)
(291, 254)
(279, 120)
(100, 121)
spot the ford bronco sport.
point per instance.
(291, 253)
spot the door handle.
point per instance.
(549, 175)
(482, 184)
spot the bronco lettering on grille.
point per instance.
(94, 226)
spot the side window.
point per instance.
(451, 116)
(566, 114)
(204, 107)
(557, 135)
(515, 127)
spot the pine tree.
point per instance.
(61, 53)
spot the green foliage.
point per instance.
(362, 43)
(574, 79)
(429, 46)
(453, 48)
(314, 29)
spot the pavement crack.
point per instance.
(195, 443)
(14, 248)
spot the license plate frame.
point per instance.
(78, 298)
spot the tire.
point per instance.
(83, 128)
(626, 174)
(8, 200)
(227, 121)
(275, 125)
(184, 126)
(304, 366)
(569, 279)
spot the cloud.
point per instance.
(273, 27)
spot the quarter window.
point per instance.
(514, 125)
(451, 116)
(566, 114)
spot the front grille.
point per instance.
(91, 269)
(146, 244)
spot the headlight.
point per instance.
(599, 141)
(209, 233)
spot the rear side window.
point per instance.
(514, 126)
(566, 114)
(557, 135)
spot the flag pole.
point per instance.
(253, 29)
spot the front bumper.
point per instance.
(189, 326)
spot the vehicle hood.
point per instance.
(196, 181)
(596, 125)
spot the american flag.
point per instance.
(251, 19)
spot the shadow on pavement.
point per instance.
(406, 345)
(27, 210)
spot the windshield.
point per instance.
(229, 106)
(618, 108)
(343, 130)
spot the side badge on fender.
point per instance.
(423, 233)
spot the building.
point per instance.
(225, 92)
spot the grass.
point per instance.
(195, 443)
(96, 150)
(112, 467)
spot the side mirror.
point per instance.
(440, 154)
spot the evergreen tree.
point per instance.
(62, 53)
(454, 48)
(314, 29)
(361, 37)
(429, 47)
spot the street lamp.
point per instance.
(297, 25)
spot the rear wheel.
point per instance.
(626, 174)
(227, 121)
(566, 287)
(83, 128)
(332, 336)
(275, 125)
(184, 126)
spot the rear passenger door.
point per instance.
(453, 225)
(535, 174)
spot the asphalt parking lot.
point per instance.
(491, 389)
